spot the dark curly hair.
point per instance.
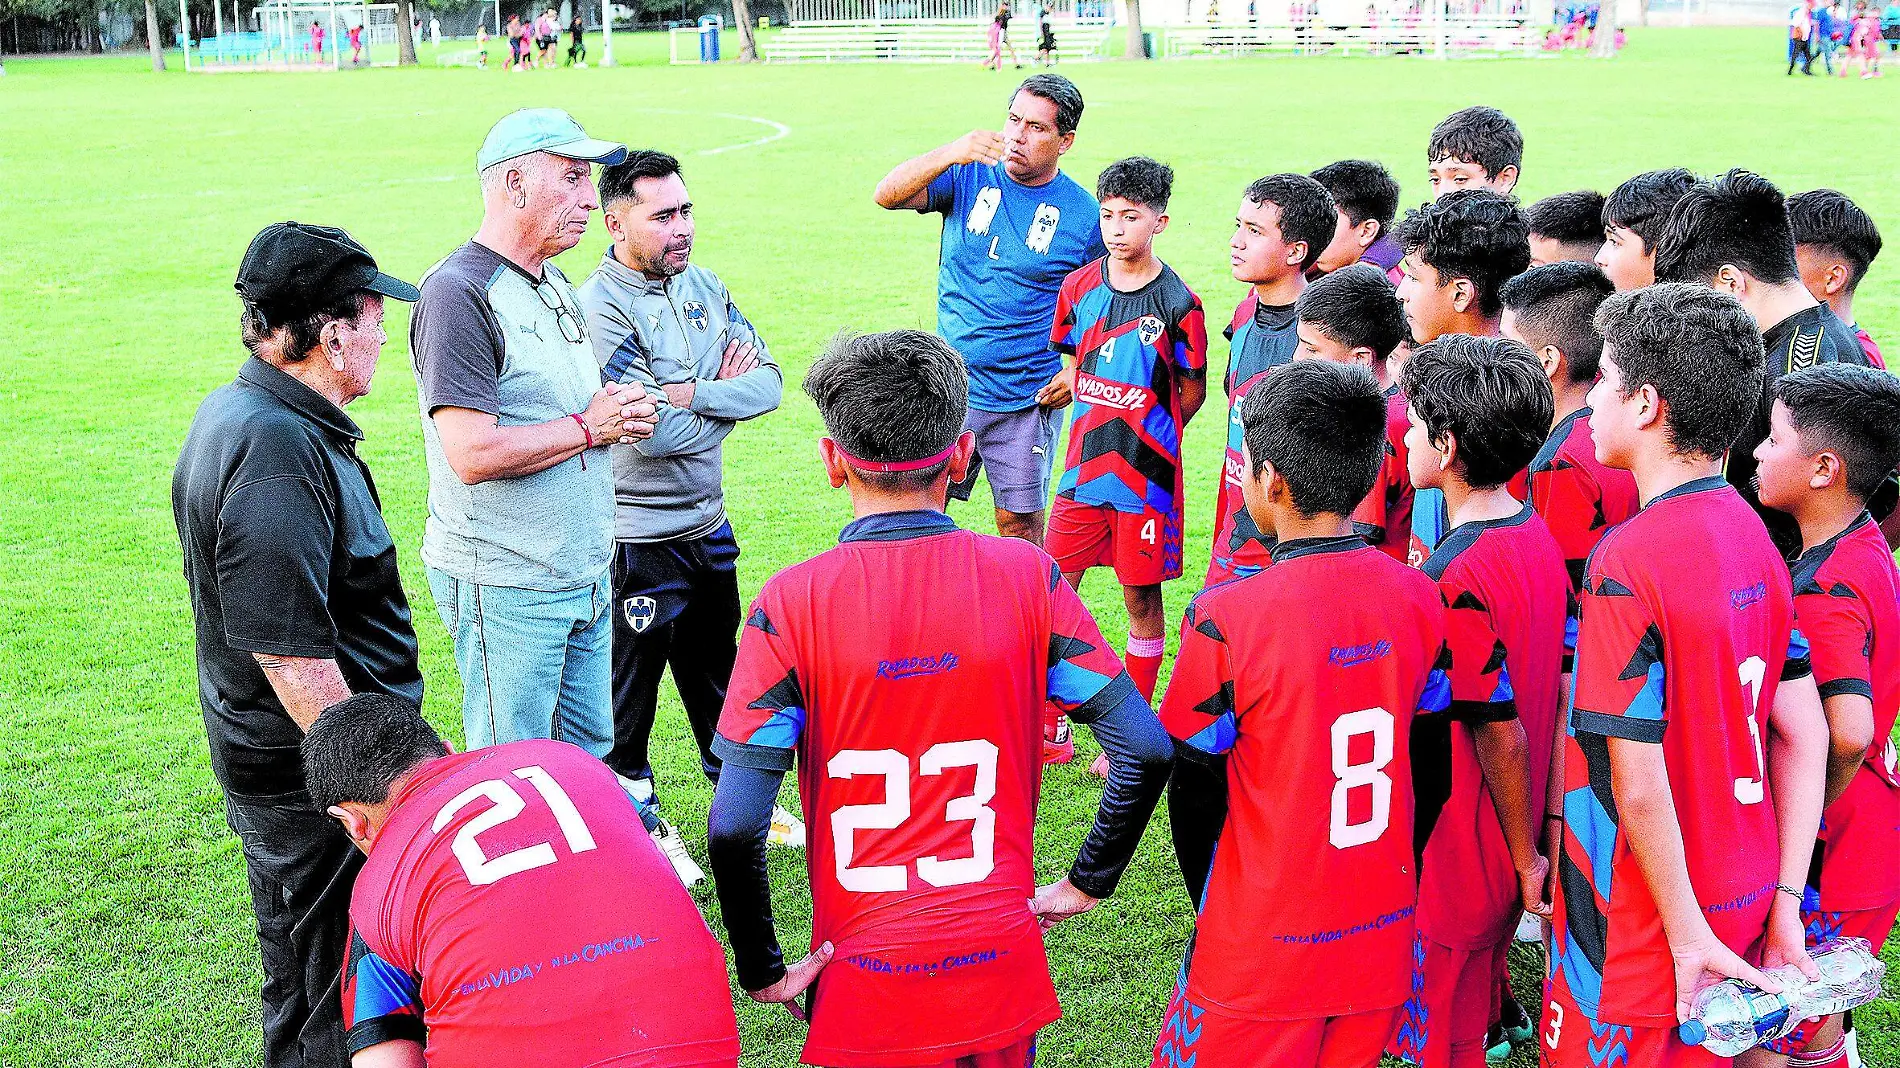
(1489, 394)
(1702, 352)
(1474, 234)
(1138, 180)
(1481, 135)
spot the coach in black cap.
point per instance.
(297, 599)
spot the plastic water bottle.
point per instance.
(1732, 1016)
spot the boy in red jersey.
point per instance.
(1479, 408)
(1833, 433)
(1352, 316)
(1459, 250)
(1834, 244)
(513, 909)
(1366, 199)
(1134, 339)
(1474, 148)
(1297, 687)
(1284, 223)
(1696, 747)
(905, 671)
(1551, 310)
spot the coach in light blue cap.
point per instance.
(516, 426)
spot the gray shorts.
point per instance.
(1019, 450)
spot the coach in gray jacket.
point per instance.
(672, 327)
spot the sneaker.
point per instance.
(1497, 1048)
(668, 838)
(1058, 746)
(1518, 1028)
(787, 830)
(640, 790)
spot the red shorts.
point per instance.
(1872, 924)
(1454, 999)
(1144, 548)
(1566, 1038)
(1192, 1037)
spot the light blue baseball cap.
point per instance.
(544, 130)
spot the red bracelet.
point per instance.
(585, 432)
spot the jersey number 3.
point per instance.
(972, 808)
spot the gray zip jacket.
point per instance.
(658, 331)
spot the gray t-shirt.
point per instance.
(488, 336)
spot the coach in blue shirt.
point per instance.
(1014, 227)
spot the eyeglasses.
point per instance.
(572, 327)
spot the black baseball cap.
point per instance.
(294, 269)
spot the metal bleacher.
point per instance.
(1427, 33)
(962, 41)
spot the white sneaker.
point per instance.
(669, 840)
(787, 830)
(640, 790)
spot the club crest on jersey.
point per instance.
(1043, 230)
(1150, 329)
(983, 210)
(1116, 395)
(911, 667)
(696, 315)
(639, 612)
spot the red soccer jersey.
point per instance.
(1307, 675)
(1847, 602)
(1578, 495)
(908, 669)
(1687, 626)
(515, 904)
(1384, 518)
(1135, 350)
(1506, 597)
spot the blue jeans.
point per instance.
(533, 664)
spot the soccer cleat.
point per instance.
(1518, 1028)
(668, 838)
(1497, 1052)
(640, 790)
(1058, 743)
(787, 830)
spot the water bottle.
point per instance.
(1732, 1016)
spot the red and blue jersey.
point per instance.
(1579, 496)
(509, 906)
(1847, 602)
(1507, 606)
(1263, 338)
(1134, 350)
(1306, 676)
(1687, 628)
(1384, 518)
(905, 672)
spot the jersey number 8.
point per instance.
(891, 813)
(1370, 774)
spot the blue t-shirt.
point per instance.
(1006, 249)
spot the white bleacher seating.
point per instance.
(921, 42)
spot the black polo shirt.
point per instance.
(286, 553)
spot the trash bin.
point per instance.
(709, 27)
(1147, 45)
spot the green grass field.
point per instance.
(129, 200)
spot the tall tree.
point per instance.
(1603, 39)
(405, 40)
(152, 38)
(748, 44)
(1136, 47)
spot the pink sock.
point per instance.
(1144, 663)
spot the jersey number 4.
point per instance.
(506, 804)
(972, 808)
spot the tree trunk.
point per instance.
(152, 38)
(1134, 49)
(405, 39)
(748, 43)
(1603, 43)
